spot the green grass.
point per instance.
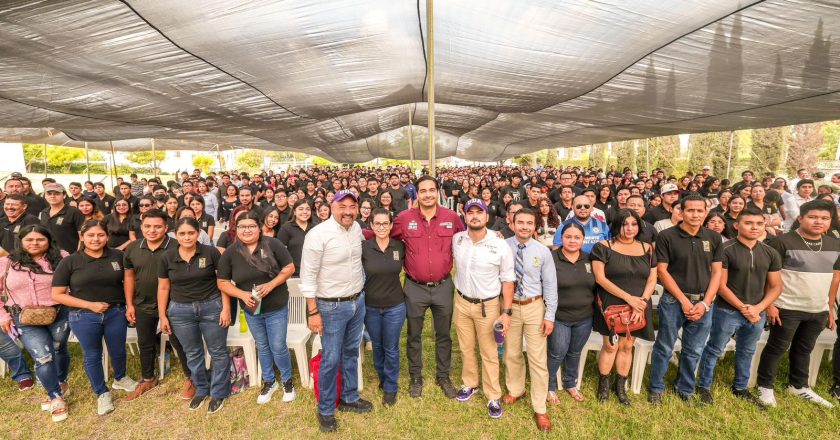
(160, 414)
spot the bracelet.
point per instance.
(310, 314)
(705, 305)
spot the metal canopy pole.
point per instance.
(410, 138)
(219, 154)
(87, 160)
(45, 161)
(113, 164)
(154, 160)
(647, 155)
(430, 44)
(729, 156)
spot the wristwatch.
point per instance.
(508, 312)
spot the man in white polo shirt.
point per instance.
(484, 267)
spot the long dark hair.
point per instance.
(21, 259)
(618, 223)
(87, 226)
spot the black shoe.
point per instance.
(603, 388)
(749, 397)
(327, 423)
(215, 405)
(359, 406)
(446, 386)
(381, 386)
(389, 399)
(655, 399)
(705, 396)
(835, 391)
(415, 387)
(197, 402)
(685, 397)
(620, 390)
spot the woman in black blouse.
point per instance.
(205, 220)
(382, 259)
(119, 225)
(191, 305)
(228, 203)
(573, 320)
(625, 273)
(90, 282)
(294, 231)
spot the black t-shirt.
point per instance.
(105, 203)
(193, 280)
(518, 194)
(575, 287)
(399, 198)
(223, 241)
(689, 257)
(382, 273)
(205, 222)
(35, 204)
(234, 267)
(117, 233)
(144, 262)
(64, 226)
(656, 213)
(9, 240)
(93, 279)
(291, 235)
(747, 270)
(647, 233)
(502, 226)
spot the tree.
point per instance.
(250, 160)
(831, 140)
(767, 147)
(625, 154)
(710, 149)
(551, 158)
(524, 160)
(57, 157)
(598, 157)
(145, 158)
(805, 144)
(203, 162)
(664, 151)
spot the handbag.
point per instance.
(36, 315)
(618, 317)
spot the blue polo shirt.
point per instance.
(594, 231)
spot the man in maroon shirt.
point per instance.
(427, 232)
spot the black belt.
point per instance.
(693, 297)
(477, 301)
(429, 284)
(341, 299)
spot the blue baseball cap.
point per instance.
(475, 202)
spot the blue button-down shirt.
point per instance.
(540, 277)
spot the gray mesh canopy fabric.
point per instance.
(339, 78)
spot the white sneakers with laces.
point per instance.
(808, 394)
(767, 396)
(125, 384)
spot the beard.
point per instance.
(476, 228)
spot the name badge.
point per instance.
(59, 221)
(706, 246)
(412, 225)
(537, 262)
(396, 255)
(202, 263)
(115, 266)
(447, 225)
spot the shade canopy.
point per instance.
(339, 78)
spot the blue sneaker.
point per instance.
(464, 393)
(494, 407)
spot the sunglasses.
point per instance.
(583, 206)
(144, 205)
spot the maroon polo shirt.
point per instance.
(428, 245)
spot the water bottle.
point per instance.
(255, 294)
(243, 325)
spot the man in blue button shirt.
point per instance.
(595, 229)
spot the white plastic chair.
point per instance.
(759, 348)
(3, 368)
(245, 340)
(825, 342)
(316, 346)
(298, 333)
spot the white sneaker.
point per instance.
(125, 384)
(767, 396)
(808, 394)
(104, 404)
(289, 391)
(266, 393)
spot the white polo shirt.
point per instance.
(480, 268)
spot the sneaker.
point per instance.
(705, 396)
(415, 387)
(215, 405)
(289, 391)
(327, 423)
(835, 391)
(104, 404)
(494, 408)
(749, 397)
(268, 390)
(809, 394)
(654, 398)
(685, 397)
(446, 387)
(144, 386)
(389, 399)
(188, 390)
(465, 392)
(26, 384)
(125, 384)
(767, 396)
(359, 406)
(197, 402)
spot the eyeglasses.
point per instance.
(583, 206)
(144, 205)
(381, 225)
(246, 227)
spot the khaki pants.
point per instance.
(471, 327)
(527, 320)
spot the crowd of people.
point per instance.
(508, 255)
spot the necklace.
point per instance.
(809, 244)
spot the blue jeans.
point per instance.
(90, 328)
(195, 324)
(385, 326)
(694, 336)
(269, 331)
(342, 336)
(725, 324)
(13, 357)
(564, 346)
(48, 346)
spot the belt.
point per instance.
(525, 302)
(429, 284)
(694, 297)
(341, 299)
(475, 300)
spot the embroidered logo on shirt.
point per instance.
(537, 262)
(412, 225)
(706, 246)
(204, 224)
(202, 263)
(447, 225)
(59, 221)
(115, 265)
(17, 229)
(596, 229)
(262, 253)
(588, 267)
(396, 255)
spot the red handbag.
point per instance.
(618, 318)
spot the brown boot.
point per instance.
(188, 390)
(142, 388)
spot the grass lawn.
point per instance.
(160, 414)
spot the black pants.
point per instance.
(798, 332)
(418, 299)
(148, 339)
(835, 358)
